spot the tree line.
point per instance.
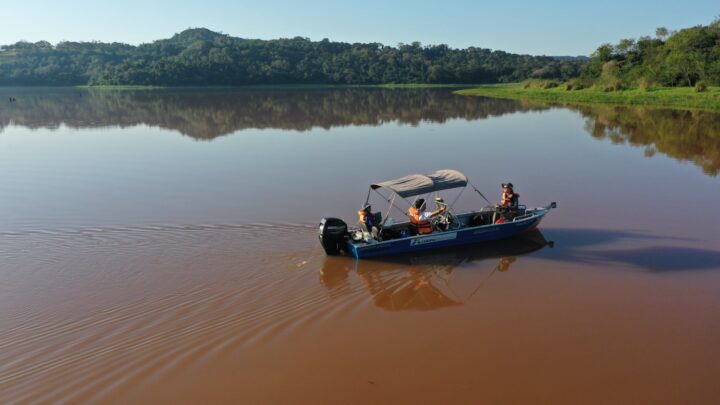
(688, 57)
(199, 56)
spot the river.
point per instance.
(161, 246)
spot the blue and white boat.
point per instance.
(449, 229)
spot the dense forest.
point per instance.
(200, 57)
(203, 57)
(689, 57)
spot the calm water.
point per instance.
(160, 246)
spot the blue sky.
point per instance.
(534, 27)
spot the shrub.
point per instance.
(614, 85)
(645, 84)
(576, 84)
(700, 87)
(539, 84)
(610, 68)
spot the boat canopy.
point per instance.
(416, 184)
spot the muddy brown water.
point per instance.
(160, 247)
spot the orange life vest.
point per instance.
(507, 199)
(363, 216)
(422, 226)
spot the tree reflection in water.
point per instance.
(691, 136)
(204, 114)
(207, 113)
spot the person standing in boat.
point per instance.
(420, 220)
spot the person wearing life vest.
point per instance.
(509, 199)
(366, 217)
(509, 202)
(420, 219)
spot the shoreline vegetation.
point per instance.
(551, 92)
(670, 97)
(675, 69)
(542, 91)
(119, 87)
(273, 86)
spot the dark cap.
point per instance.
(510, 185)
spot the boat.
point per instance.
(491, 222)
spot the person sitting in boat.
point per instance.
(420, 220)
(510, 199)
(509, 202)
(366, 217)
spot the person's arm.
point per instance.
(438, 211)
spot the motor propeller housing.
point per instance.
(333, 234)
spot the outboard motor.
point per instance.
(333, 234)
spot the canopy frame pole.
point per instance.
(367, 199)
(451, 208)
(391, 201)
(456, 199)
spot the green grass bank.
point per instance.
(672, 97)
(119, 87)
(281, 86)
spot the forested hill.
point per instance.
(687, 57)
(203, 57)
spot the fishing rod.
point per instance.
(478, 191)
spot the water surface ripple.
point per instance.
(161, 247)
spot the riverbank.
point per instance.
(120, 87)
(282, 86)
(674, 97)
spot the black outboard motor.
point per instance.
(333, 234)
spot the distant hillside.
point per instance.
(689, 57)
(581, 58)
(202, 57)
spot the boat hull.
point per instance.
(445, 239)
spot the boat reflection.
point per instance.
(424, 281)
